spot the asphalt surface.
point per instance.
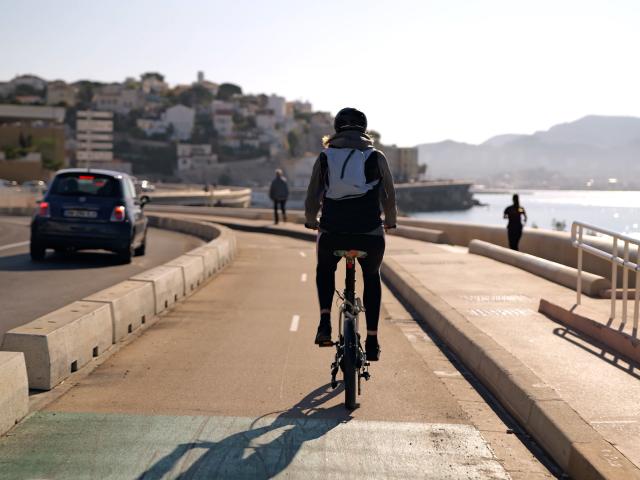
(228, 384)
(29, 290)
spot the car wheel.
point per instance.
(125, 255)
(142, 248)
(37, 251)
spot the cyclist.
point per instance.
(350, 181)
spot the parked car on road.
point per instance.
(90, 209)
(7, 183)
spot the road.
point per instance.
(229, 385)
(29, 290)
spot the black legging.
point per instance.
(282, 204)
(514, 232)
(327, 263)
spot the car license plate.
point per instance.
(81, 213)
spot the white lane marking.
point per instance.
(302, 254)
(295, 321)
(303, 277)
(601, 422)
(14, 245)
(440, 373)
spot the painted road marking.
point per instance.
(298, 443)
(302, 254)
(295, 321)
(14, 245)
(303, 277)
(440, 373)
(501, 312)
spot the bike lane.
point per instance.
(229, 384)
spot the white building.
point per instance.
(278, 105)
(94, 138)
(60, 92)
(223, 122)
(195, 161)
(115, 98)
(266, 120)
(298, 106)
(182, 119)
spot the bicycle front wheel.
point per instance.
(350, 368)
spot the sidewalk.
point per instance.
(502, 301)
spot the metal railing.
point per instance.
(577, 233)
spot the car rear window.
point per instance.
(81, 184)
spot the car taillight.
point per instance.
(43, 210)
(118, 214)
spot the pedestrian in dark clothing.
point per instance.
(279, 192)
(515, 213)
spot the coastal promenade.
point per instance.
(473, 381)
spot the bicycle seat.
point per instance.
(350, 253)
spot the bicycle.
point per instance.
(350, 357)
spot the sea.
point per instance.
(555, 209)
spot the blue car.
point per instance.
(90, 209)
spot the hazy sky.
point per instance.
(421, 70)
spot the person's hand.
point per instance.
(311, 226)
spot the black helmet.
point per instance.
(350, 119)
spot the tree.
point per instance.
(156, 75)
(196, 95)
(228, 90)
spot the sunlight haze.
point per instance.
(423, 71)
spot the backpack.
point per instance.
(346, 178)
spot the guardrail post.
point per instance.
(636, 303)
(625, 282)
(614, 277)
(579, 285)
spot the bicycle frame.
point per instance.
(349, 358)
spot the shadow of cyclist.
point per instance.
(262, 451)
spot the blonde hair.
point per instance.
(325, 141)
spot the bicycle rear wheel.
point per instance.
(350, 368)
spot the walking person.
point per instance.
(350, 181)
(279, 193)
(515, 213)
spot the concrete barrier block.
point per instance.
(592, 284)
(209, 257)
(132, 305)
(422, 234)
(14, 389)
(61, 342)
(192, 271)
(168, 285)
(224, 250)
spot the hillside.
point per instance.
(591, 149)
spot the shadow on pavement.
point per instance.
(599, 351)
(58, 261)
(245, 454)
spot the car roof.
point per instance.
(99, 171)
